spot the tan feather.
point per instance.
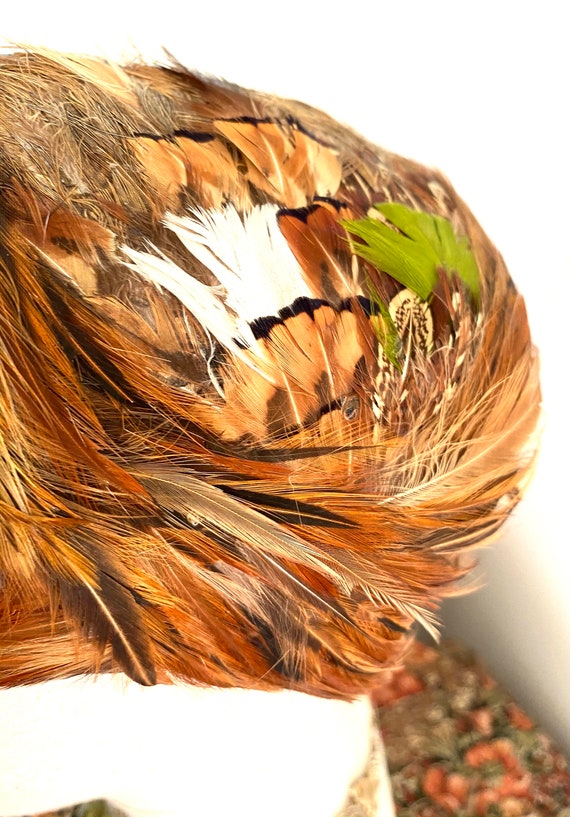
(319, 243)
(283, 161)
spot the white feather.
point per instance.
(248, 255)
(204, 302)
(257, 273)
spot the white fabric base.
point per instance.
(179, 751)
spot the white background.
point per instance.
(480, 91)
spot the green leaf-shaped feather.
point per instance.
(412, 253)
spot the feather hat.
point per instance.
(262, 385)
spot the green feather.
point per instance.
(413, 253)
(386, 330)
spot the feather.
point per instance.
(318, 240)
(282, 160)
(263, 386)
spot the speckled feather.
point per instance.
(191, 485)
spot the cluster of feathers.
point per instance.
(212, 466)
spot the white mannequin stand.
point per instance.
(180, 751)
